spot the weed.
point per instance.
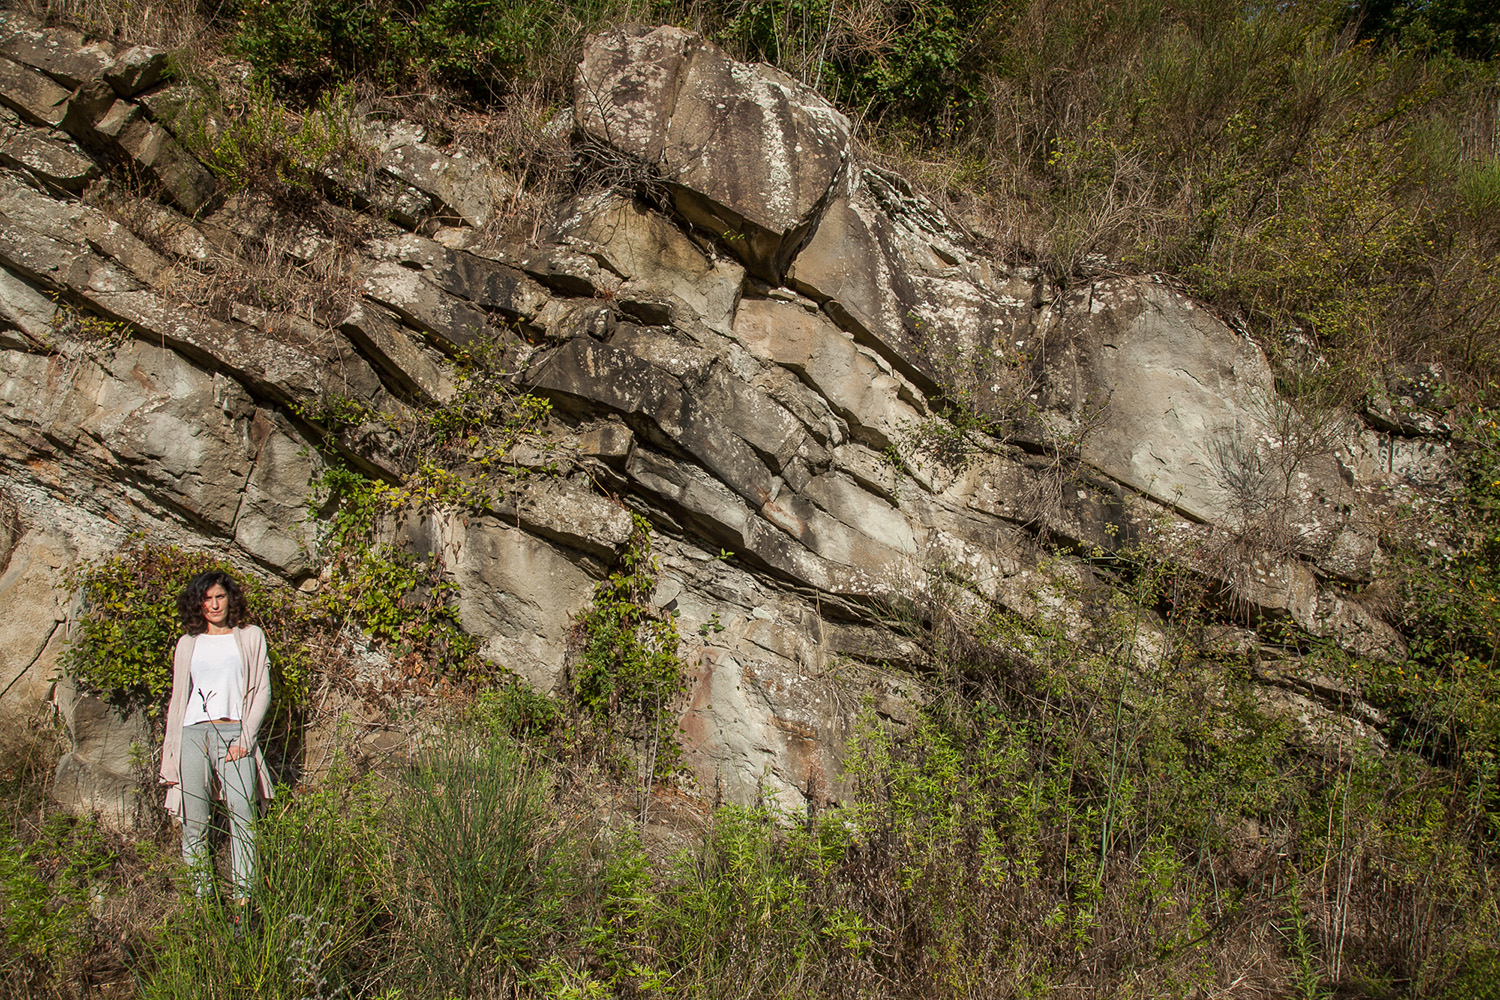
(490, 879)
(625, 670)
(311, 919)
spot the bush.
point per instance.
(487, 875)
(625, 669)
(45, 887)
(483, 47)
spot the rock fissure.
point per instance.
(41, 650)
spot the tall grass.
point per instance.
(312, 928)
(487, 882)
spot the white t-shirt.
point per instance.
(218, 680)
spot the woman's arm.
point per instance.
(171, 746)
(257, 689)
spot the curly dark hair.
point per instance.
(190, 601)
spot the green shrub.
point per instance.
(486, 47)
(487, 874)
(45, 888)
(122, 647)
(909, 63)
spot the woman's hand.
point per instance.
(235, 752)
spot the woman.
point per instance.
(221, 688)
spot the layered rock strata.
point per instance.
(756, 361)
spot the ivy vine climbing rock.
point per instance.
(626, 672)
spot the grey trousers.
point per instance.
(203, 750)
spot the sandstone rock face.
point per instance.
(110, 769)
(756, 362)
(749, 153)
(892, 269)
(33, 628)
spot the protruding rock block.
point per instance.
(137, 69)
(867, 396)
(403, 363)
(124, 131)
(32, 94)
(94, 778)
(583, 373)
(894, 270)
(461, 183)
(1174, 401)
(653, 259)
(749, 154)
(46, 154)
(485, 283)
(62, 54)
(272, 523)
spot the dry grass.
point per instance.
(176, 25)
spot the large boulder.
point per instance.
(749, 154)
(109, 769)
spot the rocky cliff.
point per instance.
(836, 406)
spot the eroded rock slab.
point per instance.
(749, 153)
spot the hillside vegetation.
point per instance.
(1073, 812)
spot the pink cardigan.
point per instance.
(252, 646)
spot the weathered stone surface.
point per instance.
(48, 155)
(485, 283)
(278, 361)
(272, 522)
(60, 53)
(406, 364)
(860, 390)
(1044, 495)
(1179, 397)
(32, 629)
(750, 153)
(26, 309)
(137, 68)
(566, 513)
(187, 183)
(1288, 588)
(74, 223)
(765, 424)
(564, 319)
(171, 429)
(654, 260)
(770, 428)
(462, 184)
(588, 373)
(31, 94)
(97, 778)
(892, 269)
(518, 592)
(457, 297)
(378, 193)
(564, 270)
(452, 321)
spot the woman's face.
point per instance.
(216, 606)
